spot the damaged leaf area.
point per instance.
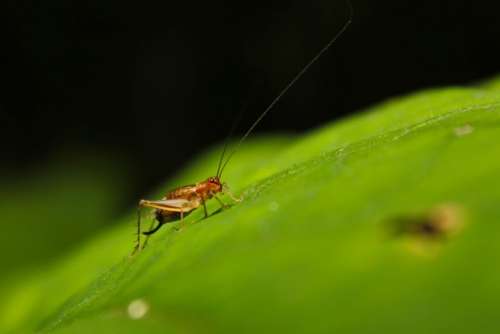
(423, 233)
(437, 223)
(304, 251)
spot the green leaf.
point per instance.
(383, 222)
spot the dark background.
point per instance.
(150, 84)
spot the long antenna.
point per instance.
(226, 143)
(228, 137)
(290, 84)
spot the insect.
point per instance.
(178, 203)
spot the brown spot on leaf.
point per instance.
(438, 222)
(423, 234)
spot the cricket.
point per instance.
(180, 202)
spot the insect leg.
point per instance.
(181, 223)
(205, 208)
(234, 198)
(150, 231)
(227, 191)
(174, 205)
(222, 204)
(138, 241)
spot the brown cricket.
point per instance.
(181, 201)
(178, 203)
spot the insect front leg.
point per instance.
(205, 208)
(233, 197)
(227, 191)
(222, 204)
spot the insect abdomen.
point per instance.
(164, 217)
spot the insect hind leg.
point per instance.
(138, 241)
(153, 230)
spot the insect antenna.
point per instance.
(228, 137)
(288, 86)
(226, 142)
